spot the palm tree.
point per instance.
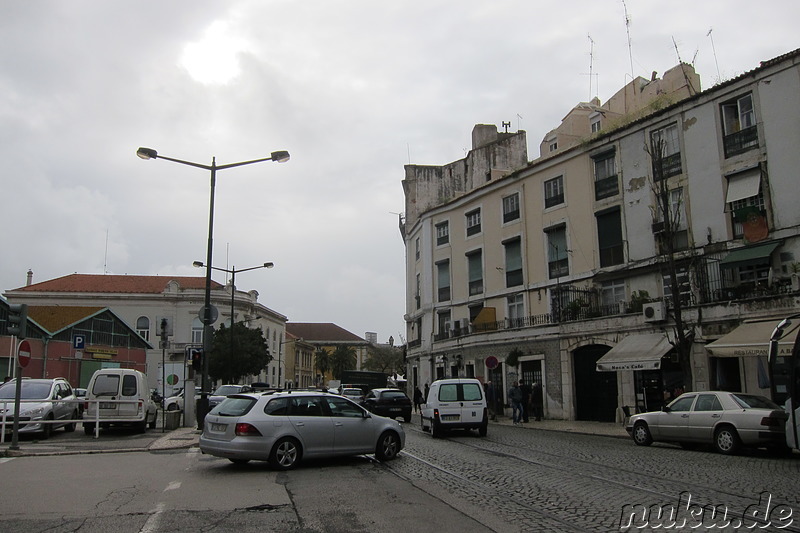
(322, 362)
(343, 358)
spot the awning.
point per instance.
(636, 352)
(751, 255)
(743, 185)
(752, 339)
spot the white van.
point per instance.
(123, 398)
(457, 403)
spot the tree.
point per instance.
(322, 361)
(667, 213)
(231, 359)
(385, 359)
(343, 358)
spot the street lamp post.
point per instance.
(207, 316)
(232, 272)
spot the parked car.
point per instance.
(80, 395)
(119, 396)
(357, 395)
(286, 427)
(726, 420)
(57, 406)
(223, 391)
(391, 403)
(174, 403)
(457, 403)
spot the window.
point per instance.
(553, 145)
(684, 286)
(609, 237)
(605, 176)
(677, 216)
(143, 327)
(746, 204)
(516, 311)
(557, 262)
(611, 293)
(442, 233)
(513, 266)
(197, 331)
(554, 192)
(595, 125)
(473, 222)
(443, 280)
(475, 272)
(418, 294)
(511, 207)
(306, 406)
(666, 152)
(707, 402)
(416, 248)
(444, 319)
(739, 130)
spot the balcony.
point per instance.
(606, 187)
(740, 141)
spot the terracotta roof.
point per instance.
(319, 332)
(54, 318)
(111, 283)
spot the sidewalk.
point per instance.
(585, 427)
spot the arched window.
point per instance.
(143, 327)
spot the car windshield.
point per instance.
(227, 389)
(234, 406)
(754, 402)
(30, 391)
(352, 392)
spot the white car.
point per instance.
(457, 403)
(57, 402)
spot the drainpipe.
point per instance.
(44, 356)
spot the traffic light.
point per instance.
(18, 320)
(196, 356)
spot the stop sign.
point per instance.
(24, 354)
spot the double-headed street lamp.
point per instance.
(206, 314)
(232, 272)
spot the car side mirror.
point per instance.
(666, 409)
(366, 414)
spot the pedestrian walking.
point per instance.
(425, 398)
(515, 397)
(537, 401)
(526, 400)
(418, 401)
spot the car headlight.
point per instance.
(33, 412)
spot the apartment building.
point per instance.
(665, 205)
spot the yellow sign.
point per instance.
(103, 351)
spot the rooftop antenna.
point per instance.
(692, 90)
(628, 31)
(714, 50)
(105, 256)
(506, 125)
(519, 122)
(591, 64)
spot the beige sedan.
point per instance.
(726, 420)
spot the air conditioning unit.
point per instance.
(654, 312)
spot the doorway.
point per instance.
(595, 392)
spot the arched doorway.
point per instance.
(595, 392)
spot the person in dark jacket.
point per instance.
(537, 401)
(525, 389)
(418, 401)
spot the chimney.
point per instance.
(29, 282)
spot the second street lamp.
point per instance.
(206, 314)
(232, 271)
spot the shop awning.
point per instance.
(752, 339)
(636, 352)
(751, 255)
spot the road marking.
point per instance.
(152, 523)
(6, 459)
(172, 486)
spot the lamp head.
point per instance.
(281, 156)
(269, 265)
(198, 264)
(147, 153)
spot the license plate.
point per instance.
(106, 405)
(450, 418)
(218, 427)
(393, 409)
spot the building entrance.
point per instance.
(595, 392)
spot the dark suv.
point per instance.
(391, 403)
(45, 403)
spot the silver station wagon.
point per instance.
(285, 427)
(726, 420)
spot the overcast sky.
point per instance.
(353, 89)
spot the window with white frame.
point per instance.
(475, 272)
(554, 191)
(595, 125)
(666, 152)
(740, 133)
(557, 262)
(444, 321)
(442, 233)
(605, 175)
(443, 280)
(473, 222)
(611, 293)
(513, 268)
(143, 327)
(677, 216)
(553, 145)
(516, 311)
(511, 207)
(197, 331)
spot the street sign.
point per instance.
(212, 317)
(491, 362)
(24, 354)
(79, 342)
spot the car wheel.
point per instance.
(388, 446)
(239, 461)
(641, 434)
(285, 454)
(407, 419)
(47, 428)
(483, 430)
(727, 441)
(69, 428)
(88, 429)
(436, 430)
(422, 423)
(152, 424)
(141, 427)
(172, 407)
